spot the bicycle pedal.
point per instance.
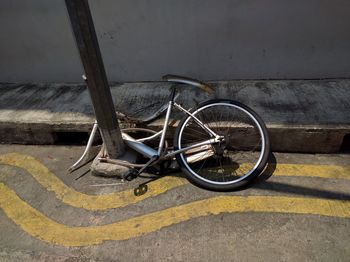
(140, 190)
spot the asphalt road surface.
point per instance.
(298, 210)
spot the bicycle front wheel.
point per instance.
(233, 162)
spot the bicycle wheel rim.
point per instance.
(259, 160)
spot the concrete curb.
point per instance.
(302, 116)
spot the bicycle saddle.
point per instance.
(190, 81)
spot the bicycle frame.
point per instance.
(140, 147)
(149, 152)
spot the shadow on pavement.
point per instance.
(263, 183)
(302, 190)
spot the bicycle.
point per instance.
(220, 145)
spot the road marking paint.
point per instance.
(42, 227)
(322, 171)
(77, 199)
(124, 198)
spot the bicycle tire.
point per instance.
(241, 127)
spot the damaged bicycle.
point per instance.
(220, 145)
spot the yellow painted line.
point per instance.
(42, 227)
(121, 199)
(77, 199)
(322, 171)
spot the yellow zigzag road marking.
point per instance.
(74, 198)
(120, 199)
(38, 225)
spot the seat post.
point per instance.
(173, 93)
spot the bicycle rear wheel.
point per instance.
(231, 163)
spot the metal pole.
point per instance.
(86, 39)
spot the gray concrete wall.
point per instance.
(143, 39)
